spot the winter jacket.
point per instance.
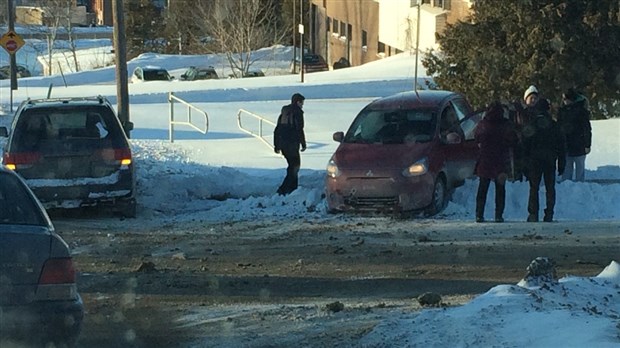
(495, 136)
(289, 130)
(574, 121)
(543, 142)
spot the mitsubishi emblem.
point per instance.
(369, 173)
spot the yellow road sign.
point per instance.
(11, 42)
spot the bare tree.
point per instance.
(239, 27)
(57, 18)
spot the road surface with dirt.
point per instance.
(301, 282)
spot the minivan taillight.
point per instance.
(17, 160)
(123, 155)
(57, 271)
(120, 157)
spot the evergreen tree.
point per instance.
(555, 44)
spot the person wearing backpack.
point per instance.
(544, 145)
(288, 138)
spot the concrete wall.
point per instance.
(390, 26)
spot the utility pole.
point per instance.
(120, 55)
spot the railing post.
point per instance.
(171, 117)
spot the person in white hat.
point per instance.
(526, 111)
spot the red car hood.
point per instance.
(364, 156)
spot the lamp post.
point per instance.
(417, 48)
(301, 39)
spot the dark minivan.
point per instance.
(72, 153)
(403, 153)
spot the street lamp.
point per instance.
(417, 47)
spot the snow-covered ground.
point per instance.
(178, 182)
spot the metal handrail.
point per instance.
(171, 99)
(261, 120)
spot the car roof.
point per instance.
(411, 99)
(151, 67)
(46, 102)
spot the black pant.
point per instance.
(540, 169)
(500, 196)
(293, 158)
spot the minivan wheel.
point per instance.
(439, 197)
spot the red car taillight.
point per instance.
(57, 271)
(17, 160)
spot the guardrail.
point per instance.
(171, 99)
(261, 120)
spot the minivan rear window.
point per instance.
(40, 127)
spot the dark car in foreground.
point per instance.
(403, 153)
(72, 153)
(199, 73)
(39, 301)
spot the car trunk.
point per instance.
(23, 254)
(71, 159)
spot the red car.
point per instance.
(403, 153)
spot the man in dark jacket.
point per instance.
(495, 136)
(544, 145)
(288, 137)
(574, 121)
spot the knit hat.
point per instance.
(531, 89)
(297, 98)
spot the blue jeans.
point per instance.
(575, 164)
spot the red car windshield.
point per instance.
(392, 127)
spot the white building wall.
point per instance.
(398, 24)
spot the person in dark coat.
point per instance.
(288, 138)
(574, 121)
(495, 136)
(544, 145)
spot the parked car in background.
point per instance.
(341, 63)
(312, 63)
(403, 153)
(39, 301)
(249, 73)
(72, 152)
(150, 73)
(22, 71)
(199, 73)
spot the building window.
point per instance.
(343, 29)
(328, 23)
(439, 3)
(335, 26)
(364, 38)
(426, 2)
(381, 47)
